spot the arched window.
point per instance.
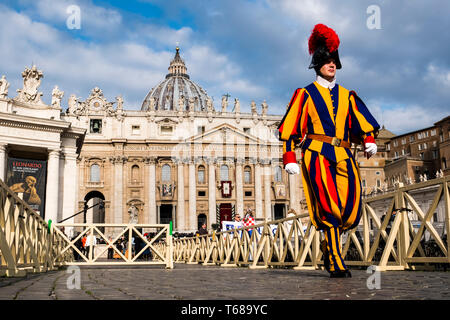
(247, 175)
(201, 175)
(224, 173)
(135, 173)
(95, 173)
(278, 176)
(165, 172)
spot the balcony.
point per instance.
(91, 184)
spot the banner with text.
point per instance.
(28, 177)
(230, 225)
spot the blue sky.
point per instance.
(253, 50)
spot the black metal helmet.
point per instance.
(323, 45)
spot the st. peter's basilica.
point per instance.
(181, 158)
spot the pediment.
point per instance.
(166, 121)
(224, 132)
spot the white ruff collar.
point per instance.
(325, 83)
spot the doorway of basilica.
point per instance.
(165, 213)
(225, 210)
(201, 219)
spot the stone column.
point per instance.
(267, 192)
(192, 197)
(52, 191)
(212, 218)
(258, 190)
(239, 187)
(181, 226)
(292, 194)
(70, 186)
(118, 189)
(90, 212)
(152, 190)
(3, 161)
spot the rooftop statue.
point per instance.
(4, 85)
(56, 97)
(31, 82)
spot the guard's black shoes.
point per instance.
(340, 274)
(326, 256)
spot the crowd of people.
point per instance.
(249, 220)
(88, 242)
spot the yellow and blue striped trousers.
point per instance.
(333, 195)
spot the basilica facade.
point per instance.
(181, 158)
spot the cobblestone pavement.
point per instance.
(192, 282)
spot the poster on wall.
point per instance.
(28, 179)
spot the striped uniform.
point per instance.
(330, 173)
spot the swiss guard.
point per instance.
(323, 119)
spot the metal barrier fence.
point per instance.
(149, 252)
(27, 244)
(391, 243)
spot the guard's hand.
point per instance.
(292, 168)
(370, 149)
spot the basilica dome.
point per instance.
(177, 92)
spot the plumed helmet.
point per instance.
(323, 45)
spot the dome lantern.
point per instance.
(177, 66)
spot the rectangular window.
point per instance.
(411, 139)
(95, 173)
(433, 132)
(200, 129)
(201, 176)
(378, 183)
(248, 193)
(202, 193)
(434, 154)
(166, 129)
(404, 141)
(395, 154)
(136, 130)
(247, 130)
(395, 143)
(247, 176)
(363, 183)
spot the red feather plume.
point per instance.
(323, 35)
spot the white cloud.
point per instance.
(95, 20)
(260, 54)
(402, 119)
(124, 67)
(162, 35)
(438, 76)
(76, 66)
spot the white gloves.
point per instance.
(371, 149)
(292, 168)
